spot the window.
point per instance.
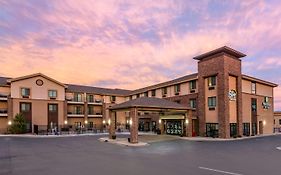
(53, 107)
(25, 92)
(113, 98)
(77, 124)
(212, 102)
(146, 94)
(153, 93)
(52, 93)
(279, 121)
(254, 129)
(77, 110)
(91, 124)
(177, 89)
(131, 97)
(254, 88)
(233, 129)
(90, 98)
(138, 95)
(212, 129)
(78, 97)
(212, 81)
(246, 129)
(25, 107)
(254, 105)
(177, 101)
(91, 110)
(192, 86)
(192, 103)
(266, 99)
(164, 91)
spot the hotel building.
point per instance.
(224, 102)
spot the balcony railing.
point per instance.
(3, 111)
(3, 97)
(70, 99)
(94, 113)
(99, 101)
(75, 113)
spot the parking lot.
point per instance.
(86, 155)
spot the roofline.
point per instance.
(164, 84)
(224, 49)
(141, 106)
(247, 77)
(35, 75)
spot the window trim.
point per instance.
(25, 96)
(52, 97)
(213, 104)
(212, 81)
(253, 87)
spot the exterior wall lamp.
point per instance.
(9, 122)
(186, 121)
(160, 121)
(65, 122)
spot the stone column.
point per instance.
(188, 126)
(112, 124)
(134, 125)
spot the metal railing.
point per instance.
(276, 130)
(3, 111)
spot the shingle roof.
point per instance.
(223, 49)
(3, 81)
(96, 90)
(149, 102)
(167, 83)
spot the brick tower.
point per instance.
(220, 91)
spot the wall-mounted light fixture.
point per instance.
(65, 122)
(131, 121)
(9, 122)
(160, 121)
(186, 121)
(86, 122)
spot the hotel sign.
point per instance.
(232, 94)
(266, 105)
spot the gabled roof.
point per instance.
(149, 102)
(223, 49)
(167, 83)
(36, 75)
(97, 90)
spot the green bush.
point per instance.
(18, 125)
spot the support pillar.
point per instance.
(134, 125)
(188, 123)
(112, 124)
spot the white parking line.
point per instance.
(219, 171)
(279, 148)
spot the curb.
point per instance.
(207, 139)
(123, 143)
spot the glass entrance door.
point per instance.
(174, 127)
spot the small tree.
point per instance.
(19, 125)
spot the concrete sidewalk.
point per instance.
(122, 141)
(223, 140)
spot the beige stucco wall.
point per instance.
(211, 116)
(261, 89)
(37, 92)
(246, 86)
(40, 110)
(232, 104)
(5, 90)
(263, 114)
(3, 105)
(277, 117)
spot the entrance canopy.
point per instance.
(147, 104)
(152, 103)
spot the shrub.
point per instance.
(18, 125)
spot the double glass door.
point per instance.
(174, 127)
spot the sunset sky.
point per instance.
(134, 43)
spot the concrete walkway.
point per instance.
(122, 141)
(223, 140)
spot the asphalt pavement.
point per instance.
(86, 155)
